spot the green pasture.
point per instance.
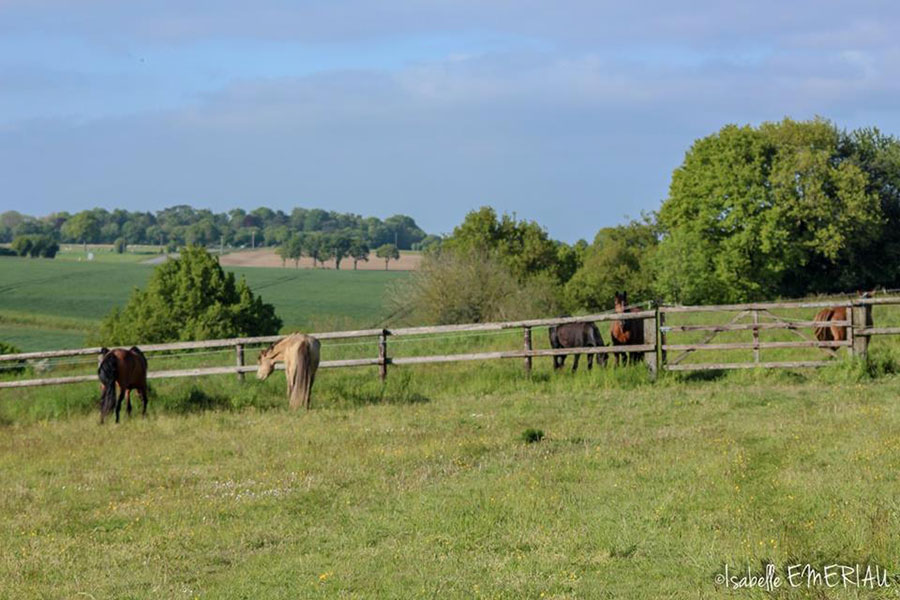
(425, 487)
(49, 304)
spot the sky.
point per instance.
(572, 114)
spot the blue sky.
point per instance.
(571, 114)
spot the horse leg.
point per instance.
(143, 392)
(128, 402)
(575, 363)
(590, 359)
(119, 404)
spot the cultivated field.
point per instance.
(48, 304)
(266, 257)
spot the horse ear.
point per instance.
(104, 350)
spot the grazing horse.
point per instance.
(300, 354)
(576, 335)
(626, 332)
(128, 369)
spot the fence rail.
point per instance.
(654, 348)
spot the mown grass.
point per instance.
(424, 487)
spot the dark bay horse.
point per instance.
(128, 369)
(576, 335)
(626, 332)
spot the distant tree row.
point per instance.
(332, 246)
(184, 225)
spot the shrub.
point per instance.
(189, 298)
(120, 245)
(472, 287)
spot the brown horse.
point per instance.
(128, 369)
(831, 333)
(576, 335)
(300, 354)
(626, 332)
(835, 333)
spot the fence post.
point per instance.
(239, 356)
(661, 320)
(862, 318)
(382, 355)
(755, 336)
(527, 339)
(650, 338)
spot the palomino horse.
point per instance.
(128, 369)
(300, 354)
(626, 332)
(575, 335)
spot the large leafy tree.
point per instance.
(619, 259)
(522, 246)
(759, 212)
(190, 298)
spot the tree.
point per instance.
(619, 259)
(757, 213)
(313, 244)
(339, 243)
(189, 298)
(388, 252)
(35, 245)
(523, 246)
(22, 245)
(83, 227)
(359, 251)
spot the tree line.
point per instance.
(183, 225)
(785, 209)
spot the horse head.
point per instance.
(621, 301)
(266, 364)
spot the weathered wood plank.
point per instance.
(755, 306)
(757, 345)
(799, 364)
(877, 331)
(751, 326)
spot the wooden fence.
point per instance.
(380, 343)
(656, 347)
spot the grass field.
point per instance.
(47, 304)
(425, 488)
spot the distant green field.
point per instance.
(47, 304)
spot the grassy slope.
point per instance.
(47, 304)
(424, 488)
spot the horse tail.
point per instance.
(140, 355)
(822, 332)
(305, 372)
(595, 332)
(554, 337)
(108, 373)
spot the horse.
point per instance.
(834, 333)
(300, 354)
(128, 369)
(831, 333)
(576, 335)
(626, 332)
